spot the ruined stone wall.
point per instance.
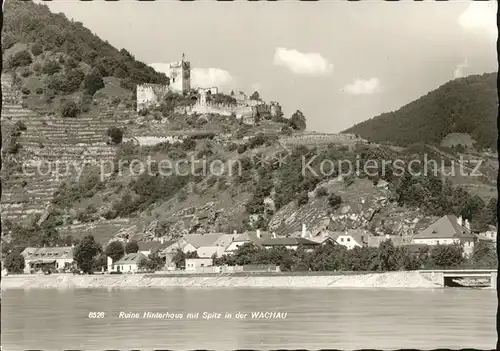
(150, 95)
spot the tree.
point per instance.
(93, 82)
(131, 247)
(334, 201)
(19, 59)
(51, 67)
(36, 49)
(387, 255)
(447, 256)
(14, 262)
(115, 250)
(484, 255)
(85, 252)
(298, 121)
(70, 109)
(255, 96)
(286, 130)
(115, 134)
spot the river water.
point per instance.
(57, 319)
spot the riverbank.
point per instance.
(368, 280)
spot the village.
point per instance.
(200, 251)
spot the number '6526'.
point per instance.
(96, 314)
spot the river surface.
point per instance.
(57, 319)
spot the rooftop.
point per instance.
(288, 242)
(131, 258)
(61, 252)
(447, 227)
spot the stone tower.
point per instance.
(179, 73)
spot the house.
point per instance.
(256, 237)
(198, 264)
(154, 246)
(128, 263)
(351, 238)
(42, 258)
(290, 243)
(446, 231)
(489, 235)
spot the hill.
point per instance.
(42, 31)
(56, 63)
(464, 105)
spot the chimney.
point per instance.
(274, 235)
(304, 230)
(258, 233)
(162, 240)
(459, 221)
(235, 231)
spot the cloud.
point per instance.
(480, 15)
(459, 70)
(201, 77)
(302, 63)
(363, 87)
(210, 77)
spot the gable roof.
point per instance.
(446, 227)
(358, 235)
(58, 252)
(209, 251)
(154, 245)
(131, 258)
(253, 237)
(199, 240)
(226, 239)
(288, 242)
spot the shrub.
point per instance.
(39, 91)
(321, 191)
(69, 109)
(242, 148)
(71, 63)
(51, 67)
(93, 82)
(72, 81)
(36, 49)
(25, 72)
(19, 59)
(25, 91)
(303, 198)
(334, 201)
(14, 262)
(20, 126)
(115, 134)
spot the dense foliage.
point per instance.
(131, 247)
(27, 22)
(465, 105)
(333, 257)
(115, 250)
(14, 262)
(86, 253)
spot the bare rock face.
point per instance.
(364, 206)
(399, 221)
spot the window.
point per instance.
(348, 239)
(341, 239)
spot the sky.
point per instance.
(338, 62)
